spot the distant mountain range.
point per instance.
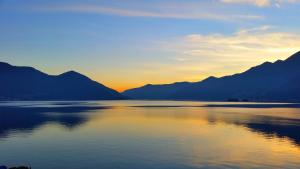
(27, 83)
(278, 82)
(270, 82)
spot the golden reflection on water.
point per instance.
(205, 135)
(189, 136)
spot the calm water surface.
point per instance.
(149, 135)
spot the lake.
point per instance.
(149, 135)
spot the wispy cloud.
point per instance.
(218, 54)
(170, 11)
(260, 3)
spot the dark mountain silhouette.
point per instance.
(27, 83)
(155, 91)
(278, 81)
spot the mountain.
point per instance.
(278, 82)
(27, 83)
(155, 91)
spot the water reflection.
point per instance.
(290, 131)
(271, 120)
(263, 122)
(154, 135)
(27, 118)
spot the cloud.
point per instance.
(170, 11)
(219, 54)
(260, 3)
(256, 29)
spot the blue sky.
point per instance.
(128, 43)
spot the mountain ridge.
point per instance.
(28, 83)
(264, 82)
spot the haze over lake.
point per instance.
(149, 134)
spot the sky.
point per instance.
(129, 43)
